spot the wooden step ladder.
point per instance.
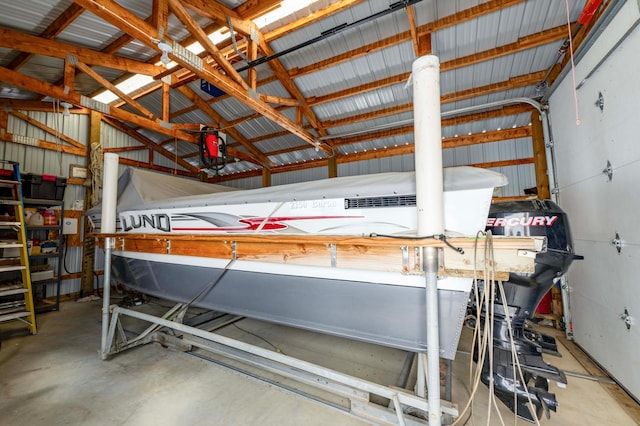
(13, 307)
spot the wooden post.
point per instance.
(165, 103)
(252, 73)
(266, 177)
(539, 155)
(332, 166)
(88, 247)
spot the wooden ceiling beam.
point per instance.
(247, 10)
(512, 83)
(194, 28)
(363, 88)
(372, 115)
(219, 13)
(337, 7)
(129, 23)
(254, 155)
(54, 132)
(40, 143)
(35, 105)
(52, 31)
(40, 46)
(142, 165)
(132, 133)
(108, 85)
(408, 147)
(411, 17)
(38, 86)
(507, 110)
(160, 16)
(486, 115)
(288, 83)
(469, 14)
(523, 43)
(518, 81)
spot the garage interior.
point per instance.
(231, 98)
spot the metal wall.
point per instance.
(605, 284)
(41, 161)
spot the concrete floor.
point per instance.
(58, 378)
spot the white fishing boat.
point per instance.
(372, 297)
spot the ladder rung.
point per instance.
(10, 245)
(11, 224)
(10, 292)
(13, 315)
(12, 268)
(9, 202)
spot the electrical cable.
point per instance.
(277, 349)
(439, 237)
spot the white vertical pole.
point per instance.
(108, 226)
(430, 206)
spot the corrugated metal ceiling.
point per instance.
(467, 37)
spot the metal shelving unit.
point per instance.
(42, 288)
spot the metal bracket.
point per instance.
(405, 259)
(608, 170)
(234, 253)
(626, 318)
(334, 255)
(600, 102)
(617, 243)
(168, 248)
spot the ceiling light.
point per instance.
(66, 106)
(165, 48)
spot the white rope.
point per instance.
(95, 166)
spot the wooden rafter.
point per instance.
(48, 89)
(54, 132)
(222, 73)
(254, 155)
(131, 24)
(132, 133)
(36, 45)
(52, 31)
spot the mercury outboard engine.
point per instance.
(523, 293)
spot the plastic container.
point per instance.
(46, 187)
(49, 218)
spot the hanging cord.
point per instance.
(277, 349)
(95, 166)
(483, 335)
(206, 289)
(175, 153)
(58, 124)
(480, 338)
(439, 237)
(573, 66)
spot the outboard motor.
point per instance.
(523, 293)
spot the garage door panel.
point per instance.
(606, 282)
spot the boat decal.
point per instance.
(225, 223)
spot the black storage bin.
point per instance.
(46, 187)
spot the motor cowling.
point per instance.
(534, 218)
(522, 294)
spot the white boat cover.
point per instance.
(142, 189)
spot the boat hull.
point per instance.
(325, 300)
